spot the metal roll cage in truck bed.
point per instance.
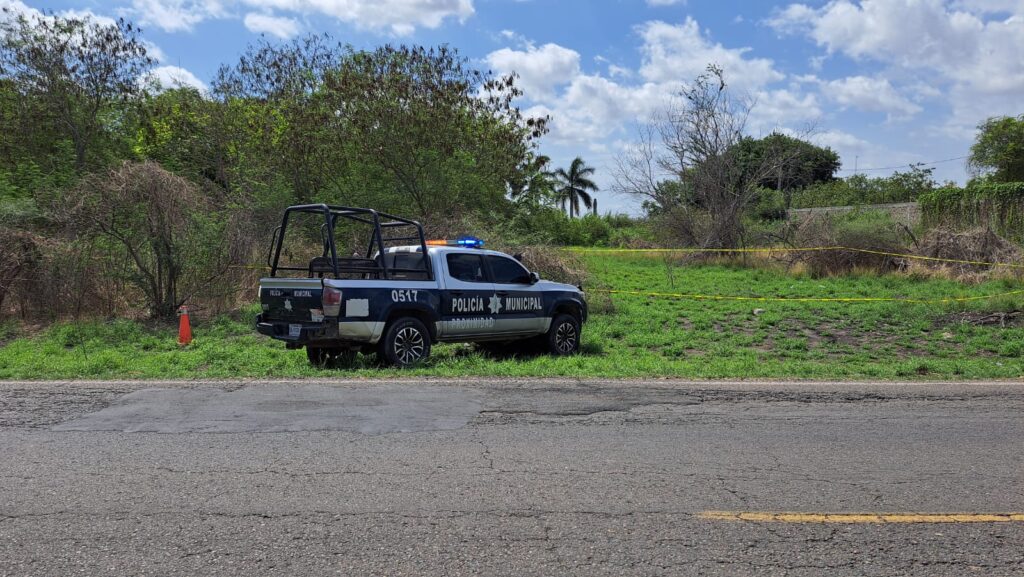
(371, 266)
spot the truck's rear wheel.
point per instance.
(405, 343)
(563, 337)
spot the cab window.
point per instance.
(466, 267)
(507, 271)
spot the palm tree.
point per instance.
(534, 183)
(574, 185)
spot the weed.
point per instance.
(643, 337)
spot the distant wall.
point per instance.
(908, 213)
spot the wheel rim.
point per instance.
(565, 337)
(409, 345)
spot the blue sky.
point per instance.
(883, 82)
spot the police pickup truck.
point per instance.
(399, 293)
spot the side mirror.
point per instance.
(534, 278)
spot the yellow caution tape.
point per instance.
(795, 249)
(806, 299)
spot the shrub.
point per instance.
(860, 189)
(770, 204)
(158, 233)
(865, 230)
(998, 206)
(977, 245)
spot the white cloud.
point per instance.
(588, 108)
(777, 109)
(400, 17)
(87, 14)
(970, 49)
(841, 141)
(665, 2)
(541, 70)
(991, 6)
(620, 71)
(154, 51)
(792, 19)
(176, 15)
(869, 94)
(166, 77)
(678, 53)
(279, 26)
(12, 8)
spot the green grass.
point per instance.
(641, 337)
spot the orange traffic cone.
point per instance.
(184, 327)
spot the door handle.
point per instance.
(502, 293)
(455, 293)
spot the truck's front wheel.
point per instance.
(405, 343)
(564, 336)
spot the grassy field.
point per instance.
(634, 336)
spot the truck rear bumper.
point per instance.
(297, 334)
(325, 332)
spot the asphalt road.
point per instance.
(509, 478)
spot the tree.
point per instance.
(163, 235)
(444, 138)
(534, 183)
(998, 150)
(802, 165)
(574, 186)
(175, 128)
(78, 70)
(278, 116)
(700, 146)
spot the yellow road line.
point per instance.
(850, 518)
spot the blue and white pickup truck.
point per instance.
(402, 293)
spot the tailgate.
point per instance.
(291, 299)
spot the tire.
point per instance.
(318, 356)
(563, 338)
(405, 343)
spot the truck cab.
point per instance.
(403, 293)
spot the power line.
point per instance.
(904, 165)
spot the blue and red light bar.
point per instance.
(464, 242)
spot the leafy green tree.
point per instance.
(278, 117)
(177, 129)
(534, 183)
(800, 163)
(574, 186)
(79, 74)
(446, 137)
(998, 150)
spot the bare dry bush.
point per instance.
(695, 143)
(158, 233)
(865, 232)
(976, 245)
